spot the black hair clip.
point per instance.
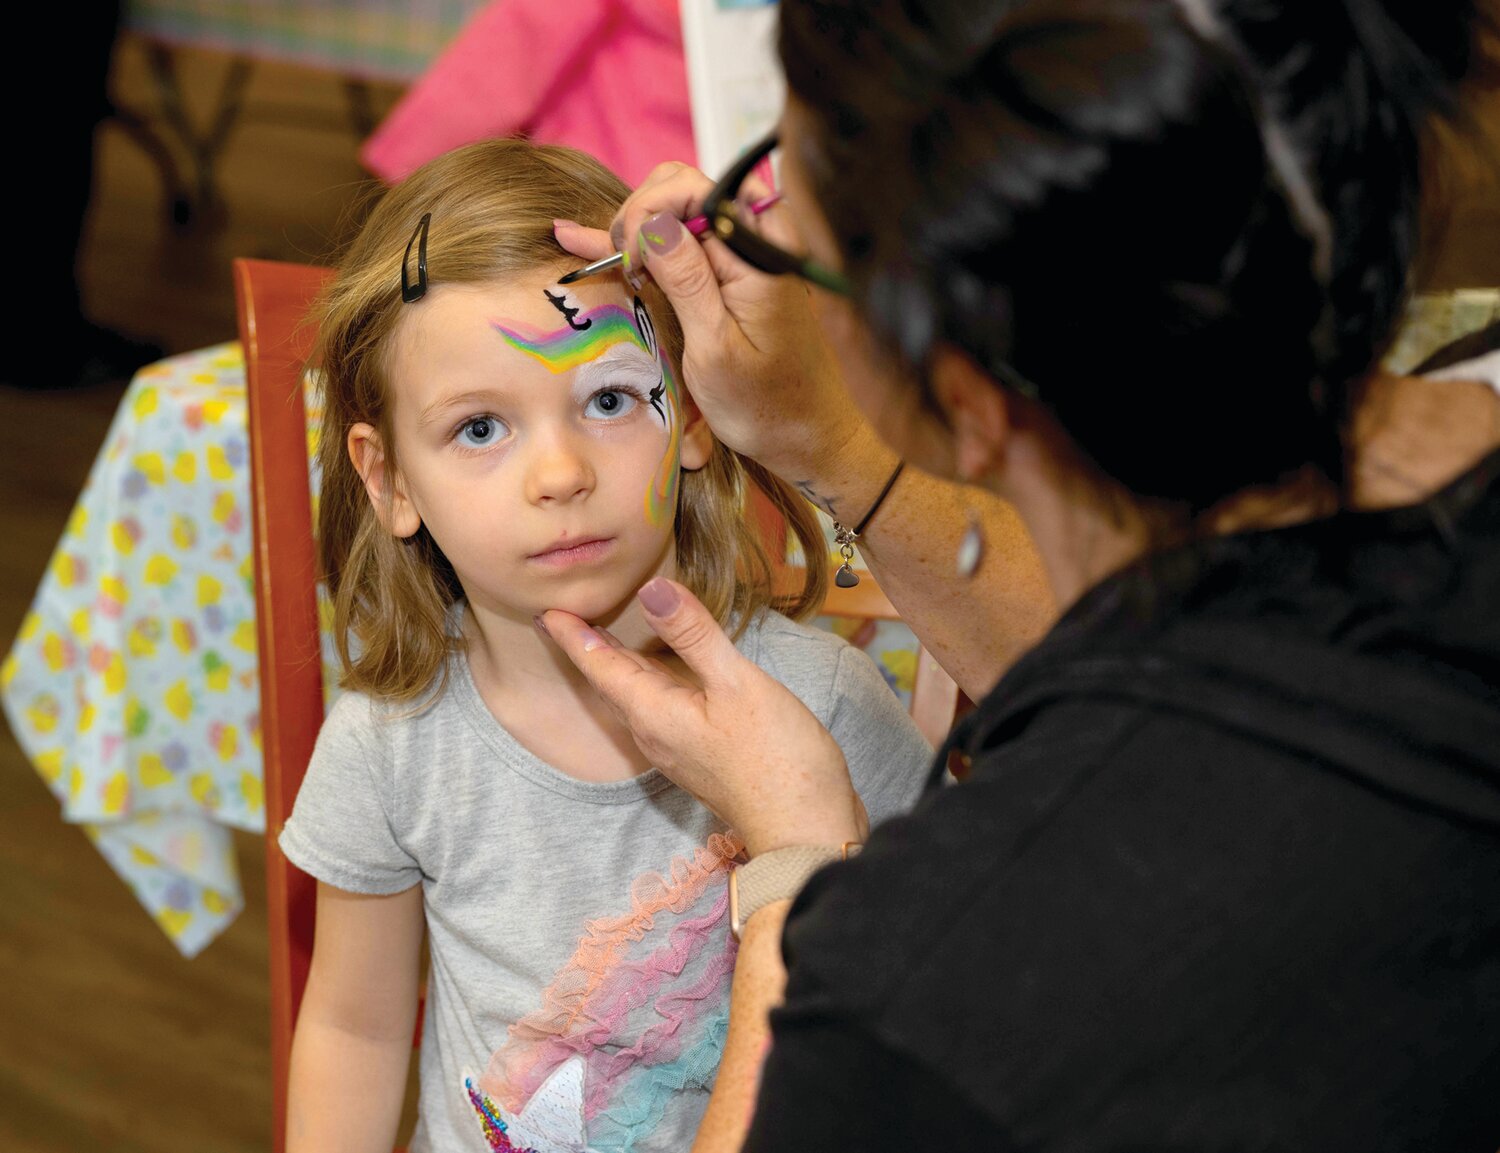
(410, 291)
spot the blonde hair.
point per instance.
(492, 205)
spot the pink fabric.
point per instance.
(604, 76)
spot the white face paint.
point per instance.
(625, 366)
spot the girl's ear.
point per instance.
(697, 437)
(382, 484)
(977, 409)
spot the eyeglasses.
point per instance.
(724, 212)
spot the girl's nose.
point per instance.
(559, 470)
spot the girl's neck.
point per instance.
(510, 655)
(541, 699)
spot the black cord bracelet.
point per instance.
(845, 576)
(879, 500)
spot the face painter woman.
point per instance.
(1100, 291)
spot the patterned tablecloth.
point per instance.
(132, 684)
(375, 39)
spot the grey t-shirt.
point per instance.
(578, 991)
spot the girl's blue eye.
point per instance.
(480, 431)
(610, 403)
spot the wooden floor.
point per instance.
(109, 1040)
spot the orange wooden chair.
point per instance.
(272, 299)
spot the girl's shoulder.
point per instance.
(816, 663)
(364, 716)
(773, 638)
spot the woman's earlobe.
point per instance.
(977, 410)
(387, 495)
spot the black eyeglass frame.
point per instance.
(723, 212)
(722, 209)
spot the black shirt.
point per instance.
(1225, 874)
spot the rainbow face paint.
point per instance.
(587, 337)
(661, 494)
(582, 341)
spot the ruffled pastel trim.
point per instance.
(597, 988)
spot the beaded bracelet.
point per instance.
(846, 577)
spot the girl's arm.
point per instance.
(353, 1039)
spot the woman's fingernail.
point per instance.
(663, 232)
(660, 597)
(592, 641)
(556, 224)
(541, 625)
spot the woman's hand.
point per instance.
(756, 359)
(743, 744)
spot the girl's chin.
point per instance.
(601, 599)
(607, 609)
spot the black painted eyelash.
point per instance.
(628, 389)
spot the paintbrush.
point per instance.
(698, 225)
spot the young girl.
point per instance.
(496, 445)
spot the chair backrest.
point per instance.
(272, 299)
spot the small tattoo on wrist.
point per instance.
(814, 497)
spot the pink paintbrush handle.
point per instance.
(699, 224)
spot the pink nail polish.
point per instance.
(662, 233)
(659, 597)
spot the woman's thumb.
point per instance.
(681, 270)
(688, 628)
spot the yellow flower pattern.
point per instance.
(132, 683)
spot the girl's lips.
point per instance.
(584, 552)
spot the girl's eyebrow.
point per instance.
(624, 356)
(442, 404)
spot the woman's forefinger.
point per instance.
(588, 244)
(671, 187)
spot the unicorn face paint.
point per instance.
(528, 425)
(590, 336)
(661, 497)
